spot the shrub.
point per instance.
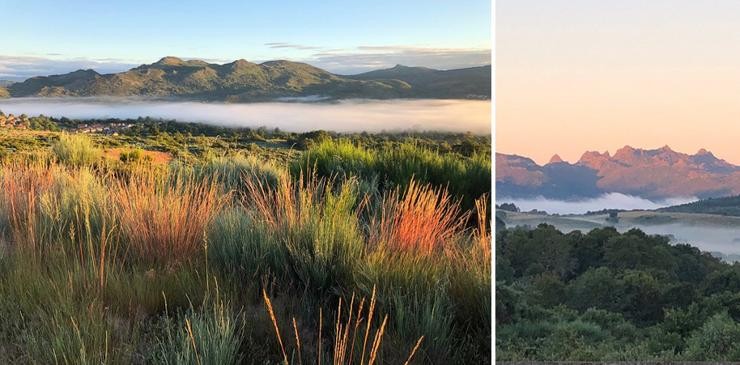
(75, 150)
(717, 340)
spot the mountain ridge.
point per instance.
(242, 81)
(649, 173)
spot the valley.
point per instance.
(717, 234)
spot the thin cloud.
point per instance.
(22, 67)
(366, 58)
(291, 46)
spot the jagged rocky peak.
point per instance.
(556, 159)
(591, 155)
(625, 152)
(594, 159)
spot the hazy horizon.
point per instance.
(353, 115)
(605, 201)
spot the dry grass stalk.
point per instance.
(297, 341)
(271, 312)
(482, 232)
(318, 346)
(369, 322)
(346, 333)
(376, 342)
(189, 329)
(413, 352)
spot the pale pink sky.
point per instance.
(577, 75)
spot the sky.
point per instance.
(42, 37)
(577, 75)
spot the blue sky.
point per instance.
(342, 36)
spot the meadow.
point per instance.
(164, 247)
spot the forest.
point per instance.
(610, 296)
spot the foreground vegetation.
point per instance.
(608, 296)
(234, 255)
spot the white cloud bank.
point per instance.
(343, 116)
(606, 201)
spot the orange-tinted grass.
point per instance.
(420, 220)
(21, 187)
(165, 221)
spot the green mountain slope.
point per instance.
(245, 81)
(470, 83)
(729, 206)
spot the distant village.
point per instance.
(110, 129)
(11, 121)
(23, 121)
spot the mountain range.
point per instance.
(649, 173)
(242, 81)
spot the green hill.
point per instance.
(245, 81)
(722, 206)
(471, 83)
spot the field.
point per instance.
(178, 246)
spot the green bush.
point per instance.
(75, 150)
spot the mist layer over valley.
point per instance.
(713, 233)
(340, 116)
(605, 201)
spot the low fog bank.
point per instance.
(341, 116)
(606, 201)
(705, 237)
(717, 234)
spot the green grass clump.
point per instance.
(314, 223)
(75, 150)
(234, 172)
(243, 247)
(210, 335)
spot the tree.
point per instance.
(717, 340)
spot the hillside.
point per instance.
(474, 82)
(245, 81)
(652, 174)
(729, 206)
